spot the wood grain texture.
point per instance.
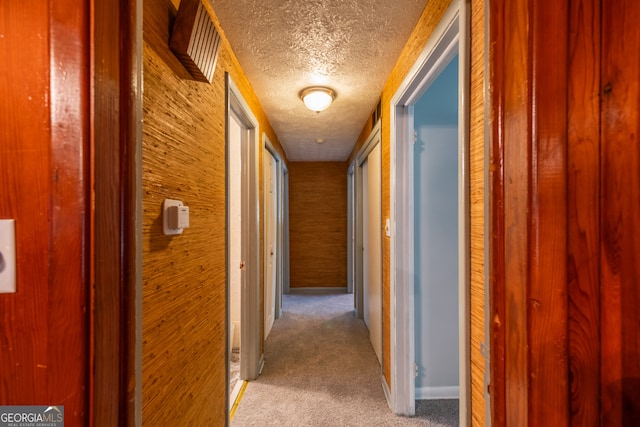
(496, 250)
(477, 172)
(318, 224)
(115, 145)
(516, 135)
(620, 214)
(184, 291)
(529, 214)
(44, 170)
(547, 294)
(583, 212)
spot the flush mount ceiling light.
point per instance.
(317, 98)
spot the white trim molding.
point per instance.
(450, 37)
(432, 393)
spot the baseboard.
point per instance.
(431, 393)
(318, 291)
(387, 392)
(261, 364)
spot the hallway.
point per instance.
(320, 370)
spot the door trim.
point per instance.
(268, 146)
(117, 169)
(373, 139)
(450, 37)
(251, 361)
(351, 226)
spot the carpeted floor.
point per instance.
(320, 370)
(234, 369)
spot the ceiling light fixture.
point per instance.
(317, 98)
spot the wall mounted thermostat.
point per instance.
(175, 217)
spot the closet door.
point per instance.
(372, 248)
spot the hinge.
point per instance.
(415, 136)
(484, 350)
(415, 370)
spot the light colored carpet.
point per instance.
(234, 369)
(320, 370)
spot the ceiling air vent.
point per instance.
(195, 40)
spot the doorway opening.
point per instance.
(274, 190)
(430, 239)
(368, 238)
(243, 244)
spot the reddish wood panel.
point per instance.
(620, 213)
(114, 154)
(528, 213)
(496, 260)
(24, 173)
(44, 169)
(547, 294)
(583, 211)
(515, 132)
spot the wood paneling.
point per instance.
(477, 212)
(318, 224)
(620, 214)
(530, 89)
(44, 345)
(584, 229)
(115, 145)
(578, 290)
(184, 322)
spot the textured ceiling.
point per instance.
(347, 45)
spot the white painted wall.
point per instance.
(235, 228)
(436, 238)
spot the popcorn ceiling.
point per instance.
(286, 45)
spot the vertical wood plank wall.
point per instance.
(419, 37)
(620, 213)
(184, 303)
(583, 152)
(116, 98)
(318, 224)
(565, 108)
(44, 171)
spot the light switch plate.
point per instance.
(7, 256)
(168, 231)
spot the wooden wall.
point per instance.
(318, 224)
(184, 329)
(565, 209)
(44, 171)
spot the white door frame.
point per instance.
(251, 361)
(373, 140)
(351, 227)
(285, 233)
(451, 36)
(279, 264)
